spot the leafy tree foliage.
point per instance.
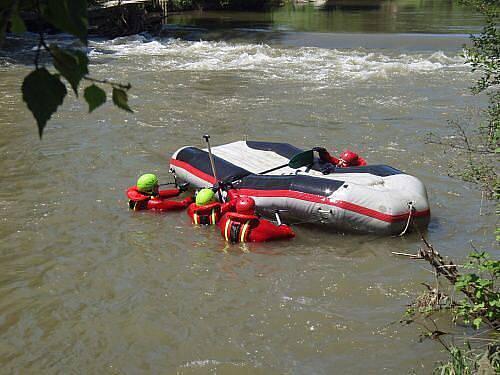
(484, 56)
(42, 90)
(478, 141)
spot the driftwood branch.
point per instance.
(447, 269)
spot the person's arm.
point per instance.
(190, 210)
(168, 205)
(228, 206)
(169, 193)
(361, 162)
(267, 231)
(327, 157)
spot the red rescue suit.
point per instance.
(237, 227)
(209, 214)
(140, 201)
(325, 156)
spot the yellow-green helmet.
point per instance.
(147, 182)
(205, 196)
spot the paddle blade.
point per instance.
(301, 159)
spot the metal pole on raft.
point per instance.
(278, 218)
(212, 164)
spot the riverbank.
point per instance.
(121, 18)
(182, 5)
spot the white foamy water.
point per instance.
(270, 62)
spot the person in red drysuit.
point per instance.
(206, 210)
(244, 226)
(147, 196)
(347, 158)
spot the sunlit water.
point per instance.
(88, 286)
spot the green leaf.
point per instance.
(95, 97)
(72, 64)
(121, 100)
(477, 322)
(43, 93)
(17, 24)
(69, 16)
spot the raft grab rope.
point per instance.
(412, 210)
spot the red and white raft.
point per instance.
(369, 199)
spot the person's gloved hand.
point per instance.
(216, 187)
(188, 200)
(183, 187)
(328, 169)
(221, 185)
(319, 149)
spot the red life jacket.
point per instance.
(137, 200)
(205, 215)
(237, 226)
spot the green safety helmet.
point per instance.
(205, 196)
(147, 182)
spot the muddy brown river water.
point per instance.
(87, 286)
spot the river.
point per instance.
(88, 286)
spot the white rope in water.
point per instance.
(410, 205)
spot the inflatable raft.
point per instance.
(369, 199)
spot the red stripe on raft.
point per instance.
(306, 197)
(341, 204)
(193, 170)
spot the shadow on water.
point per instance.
(350, 5)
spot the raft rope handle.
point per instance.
(412, 209)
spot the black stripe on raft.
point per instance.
(229, 172)
(283, 149)
(200, 160)
(380, 170)
(299, 183)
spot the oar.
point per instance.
(212, 164)
(210, 156)
(297, 161)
